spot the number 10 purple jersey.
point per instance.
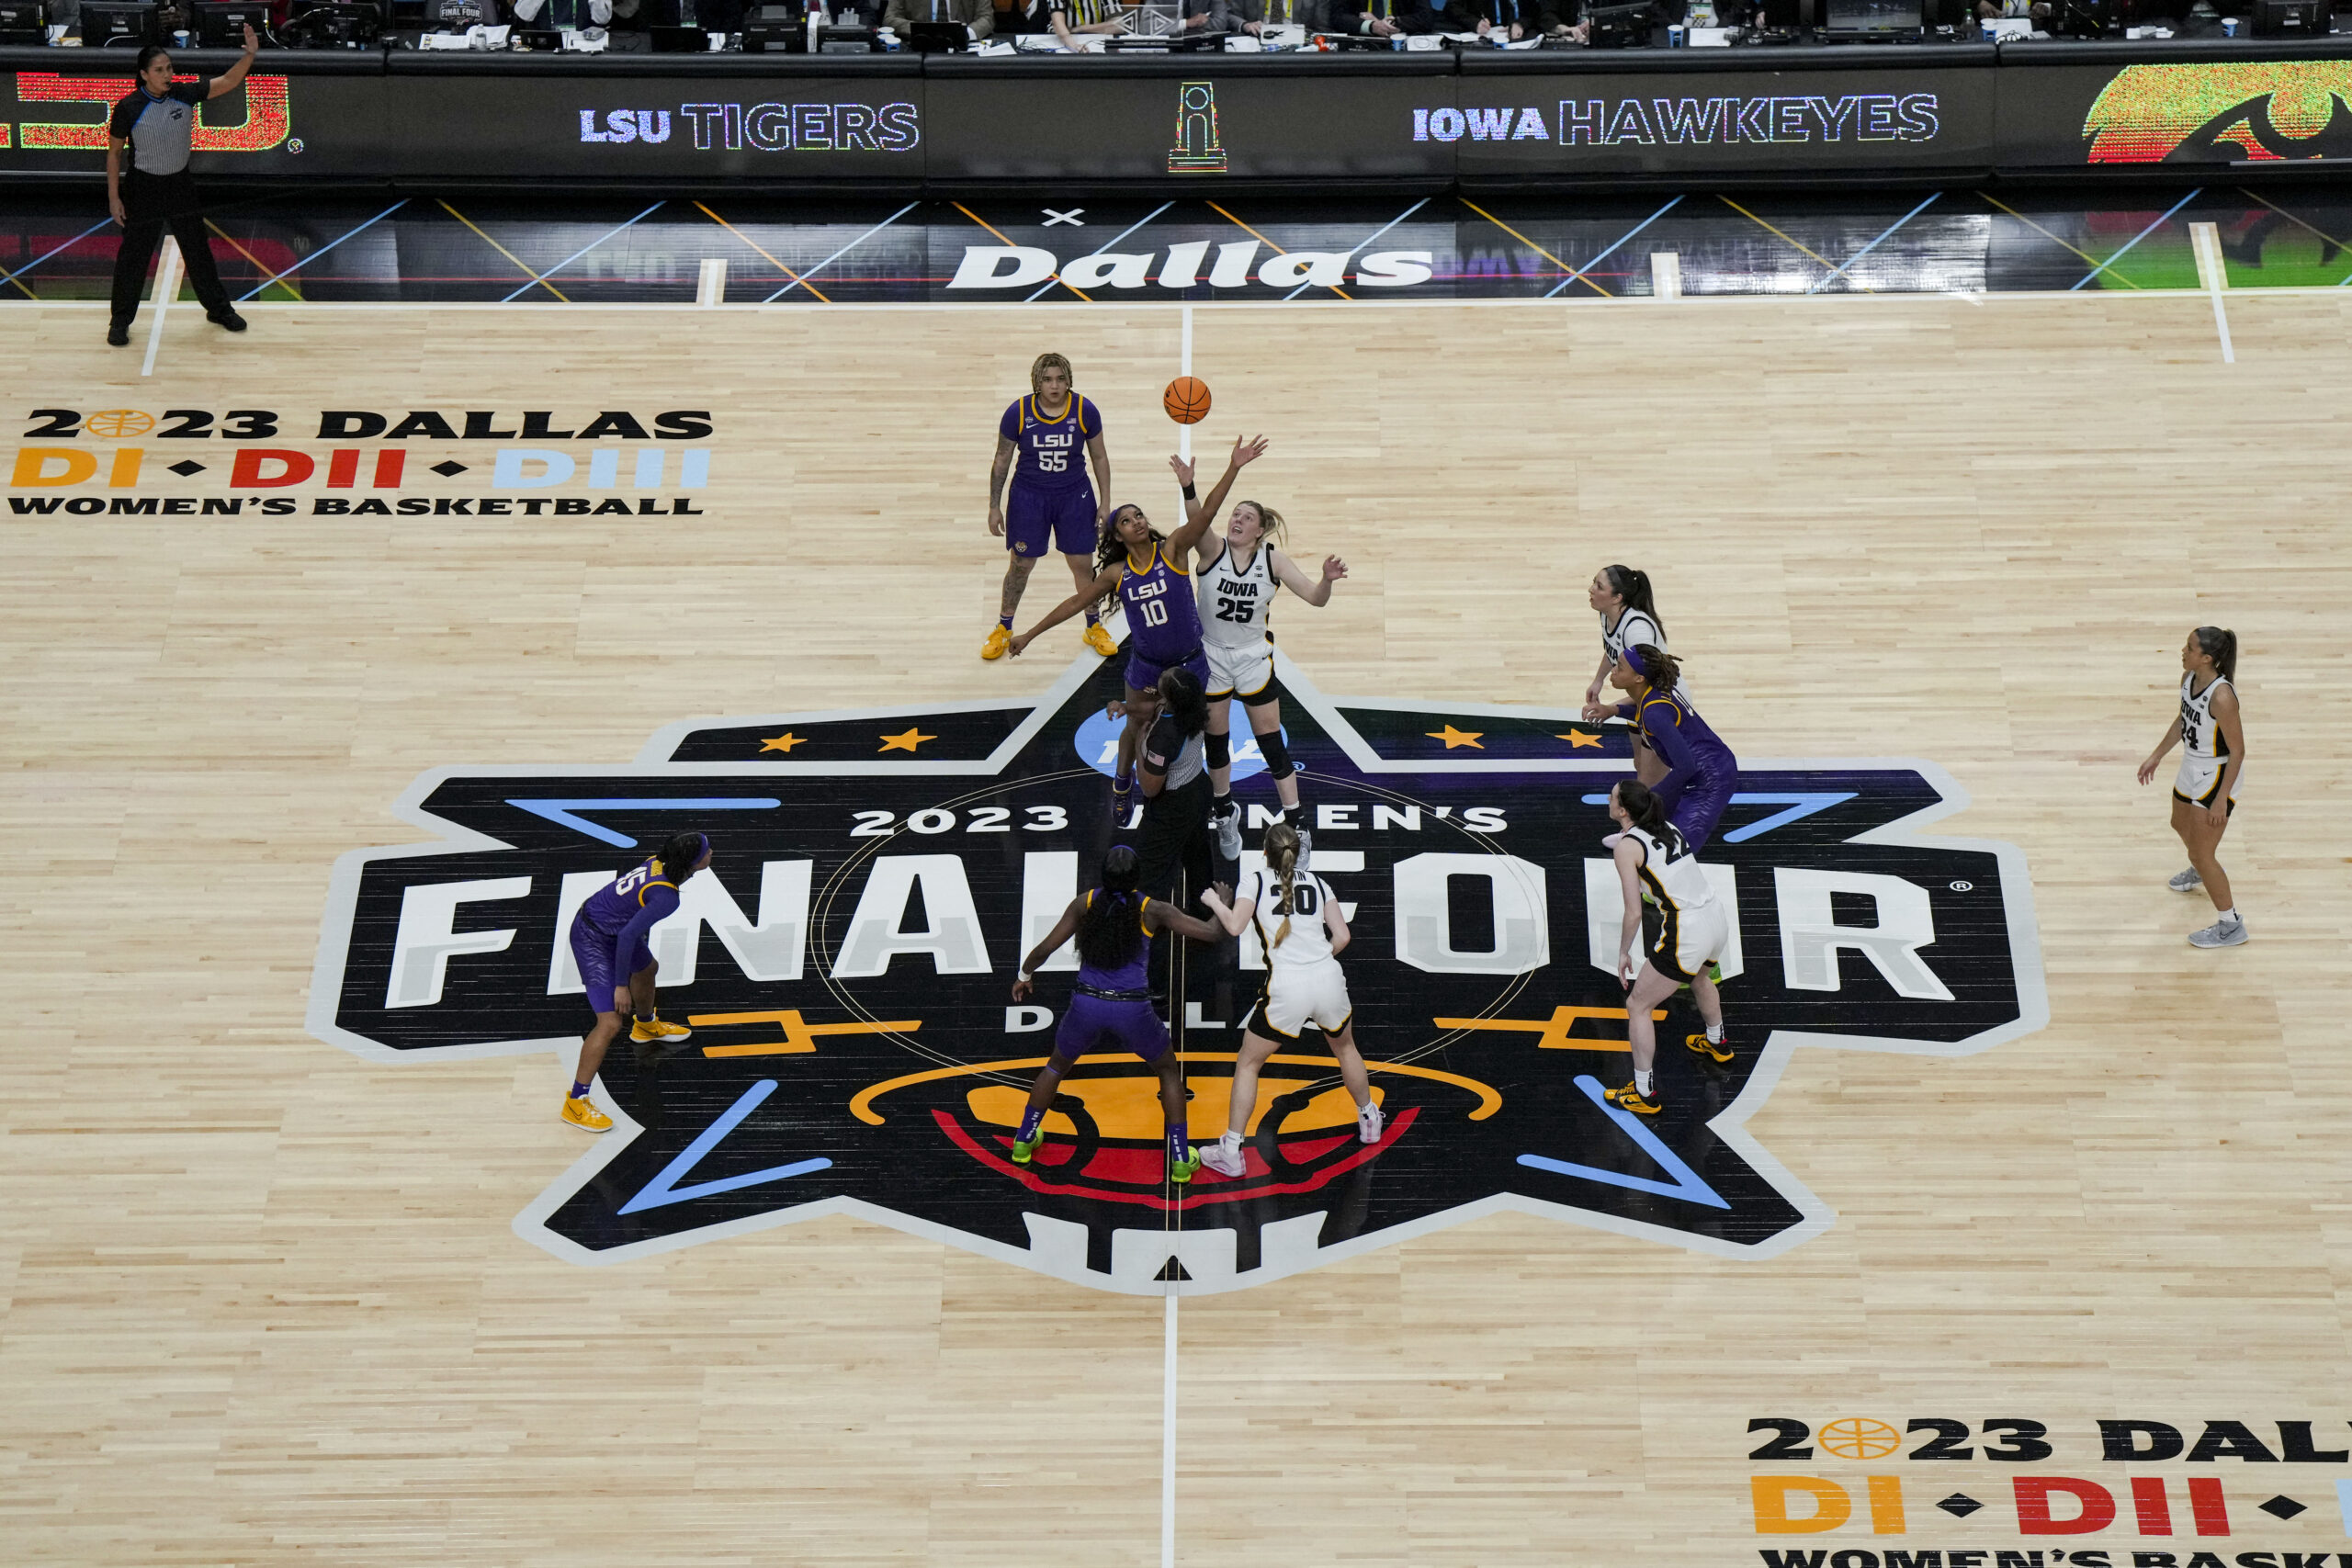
(1052, 454)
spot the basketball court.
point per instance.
(302, 1265)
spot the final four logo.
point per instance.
(846, 967)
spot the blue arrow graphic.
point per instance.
(559, 812)
(1799, 807)
(1685, 1186)
(663, 1190)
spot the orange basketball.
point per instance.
(1187, 399)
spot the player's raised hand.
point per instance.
(1183, 472)
(1248, 451)
(1334, 569)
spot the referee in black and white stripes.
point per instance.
(157, 123)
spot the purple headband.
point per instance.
(1634, 661)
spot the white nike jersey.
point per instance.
(1309, 940)
(1634, 629)
(1676, 881)
(1235, 601)
(2199, 735)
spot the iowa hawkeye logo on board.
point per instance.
(846, 967)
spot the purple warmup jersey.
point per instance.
(1052, 452)
(1164, 618)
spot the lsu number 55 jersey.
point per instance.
(1235, 599)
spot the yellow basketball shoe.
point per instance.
(583, 1113)
(1634, 1099)
(1715, 1051)
(1000, 640)
(653, 1031)
(1098, 637)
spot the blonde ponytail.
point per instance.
(1282, 858)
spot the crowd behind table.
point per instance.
(1088, 26)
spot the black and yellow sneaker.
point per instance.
(1634, 1099)
(1716, 1051)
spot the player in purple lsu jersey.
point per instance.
(1052, 435)
(1111, 1005)
(608, 942)
(1151, 576)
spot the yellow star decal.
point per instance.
(1453, 737)
(1581, 740)
(907, 742)
(783, 742)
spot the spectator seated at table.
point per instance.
(1254, 17)
(2036, 11)
(1497, 21)
(563, 16)
(978, 15)
(1206, 17)
(1563, 21)
(1073, 20)
(1385, 18)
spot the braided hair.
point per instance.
(1659, 668)
(1112, 923)
(679, 853)
(1109, 548)
(1282, 858)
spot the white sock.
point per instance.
(1231, 1140)
(1714, 1035)
(2229, 915)
(1642, 1081)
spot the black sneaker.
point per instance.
(119, 333)
(226, 318)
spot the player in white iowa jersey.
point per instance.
(1628, 612)
(2204, 792)
(1694, 930)
(1234, 583)
(1303, 931)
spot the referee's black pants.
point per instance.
(1174, 839)
(153, 203)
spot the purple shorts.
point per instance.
(1091, 1022)
(592, 950)
(1695, 816)
(1143, 674)
(1036, 520)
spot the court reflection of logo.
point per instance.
(846, 964)
(2267, 110)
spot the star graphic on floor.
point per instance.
(1580, 740)
(783, 742)
(907, 742)
(1453, 737)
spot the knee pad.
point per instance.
(1277, 752)
(1220, 748)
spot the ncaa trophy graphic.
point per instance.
(1197, 149)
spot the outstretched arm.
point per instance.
(1317, 593)
(1161, 916)
(1064, 929)
(227, 81)
(1234, 918)
(1197, 516)
(1105, 581)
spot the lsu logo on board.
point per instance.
(846, 967)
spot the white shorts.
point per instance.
(1241, 671)
(1689, 942)
(2199, 780)
(1299, 994)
